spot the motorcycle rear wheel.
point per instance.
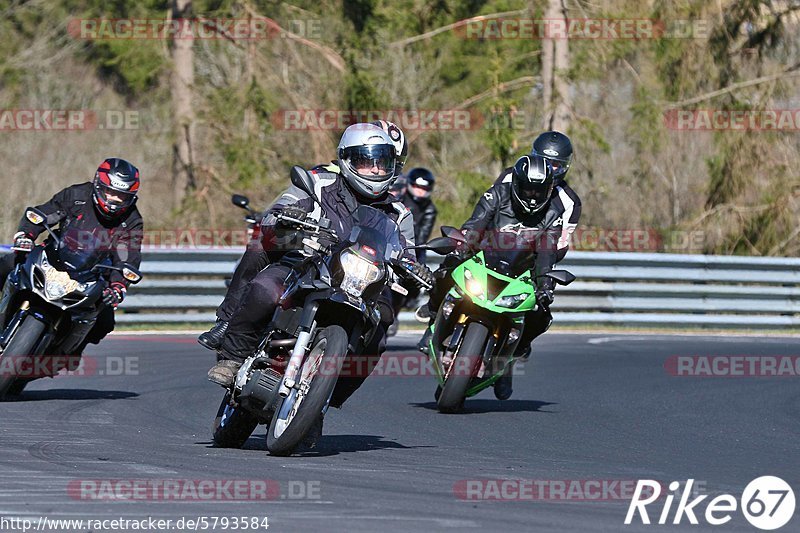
(233, 425)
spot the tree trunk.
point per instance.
(181, 81)
(555, 65)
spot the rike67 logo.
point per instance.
(767, 503)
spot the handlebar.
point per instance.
(312, 227)
(397, 265)
(316, 230)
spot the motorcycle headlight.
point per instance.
(473, 285)
(512, 301)
(57, 284)
(358, 273)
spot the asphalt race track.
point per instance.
(588, 407)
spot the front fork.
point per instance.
(458, 322)
(300, 348)
(14, 324)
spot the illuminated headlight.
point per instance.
(57, 284)
(473, 285)
(513, 336)
(512, 301)
(358, 273)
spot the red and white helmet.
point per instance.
(116, 184)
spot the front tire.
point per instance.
(463, 369)
(233, 425)
(297, 413)
(18, 353)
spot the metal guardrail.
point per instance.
(635, 289)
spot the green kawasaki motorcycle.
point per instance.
(480, 321)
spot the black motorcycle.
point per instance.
(49, 304)
(328, 312)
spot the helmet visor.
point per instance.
(373, 162)
(113, 198)
(560, 165)
(533, 194)
(420, 188)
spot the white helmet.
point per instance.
(400, 143)
(367, 159)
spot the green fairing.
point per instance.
(512, 287)
(480, 272)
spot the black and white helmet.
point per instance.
(400, 143)
(420, 182)
(557, 149)
(367, 158)
(532, 184)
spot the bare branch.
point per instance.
(788, 73)
(328, 53)
(783, 244)
(504, 87)
(460, 23)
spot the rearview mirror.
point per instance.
(131, 273)
(240, 201)
(35, 216)
(453, 233)
(303, 181)
(562, 277)
(441, 245)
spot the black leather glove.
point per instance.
(114, 294)
(473, 238)
(421, 271)
(328, 241)
(293, 212)
(22, 242)
(544, 291)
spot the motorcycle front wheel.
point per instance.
(18, 353)
(298, 412)
(462, 369)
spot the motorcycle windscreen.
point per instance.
(80, 251)
(377, 235)
(512, 263)
(513, 253)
